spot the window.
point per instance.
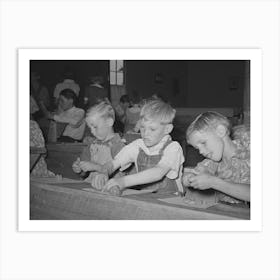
(116, 72)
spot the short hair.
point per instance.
(208, 120)
(69, 94)
(157, 110)
(103, 110)
(125, 99)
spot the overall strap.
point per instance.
(169, 141)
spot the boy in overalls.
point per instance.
(157, 158)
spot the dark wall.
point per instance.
(167, 78)
(188, 83)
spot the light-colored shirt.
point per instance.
(172, 157)
(72, 117)
(66, 84)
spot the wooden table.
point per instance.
(70, 201)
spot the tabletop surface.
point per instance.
(137, 201)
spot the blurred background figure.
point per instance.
(67, 83)
(39, 95)
(120, 110)
(94, 91)
(67, 123)
(38, 165)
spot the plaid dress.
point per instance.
(236, 169)
(37, 140)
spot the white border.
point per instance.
(254, 55)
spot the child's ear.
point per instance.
(110, 122)
(221, 130)
(168, 128)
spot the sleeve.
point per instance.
(128, 154)
(241, 168)
(72, 119)
(117, 147)
(242, 133)
(173, 157)
(207, 165)
(85, 155)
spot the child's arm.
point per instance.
(206, 181)
(73, 120)
(107, 168)
(150, 175)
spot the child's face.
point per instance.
(209, 144)
(100, 127)
(153, 131)
(124, 105)
(65, 103)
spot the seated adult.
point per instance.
(70, 115)
(67, 83)
(95, 91)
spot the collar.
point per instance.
(108, 141)
(158, 146)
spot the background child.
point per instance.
(101, 150)
(158, 159)
(67, 83)
(70, 115)
(95, 91)
(120, 109)
(227, 167)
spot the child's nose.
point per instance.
(201, 151)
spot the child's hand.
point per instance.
(202, 181)
(76, 166)
(113, 187)
(87, 166)
(188, 173)
(186, 178)
(99, 180)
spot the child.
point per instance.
(158, 159)
(67, 83)
(71, 116)
(122, 107)
(227, 167)
(100, 150)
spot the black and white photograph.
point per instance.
(140, 139)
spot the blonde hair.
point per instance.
(208, 120)
(103, 110)
(157, 110)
